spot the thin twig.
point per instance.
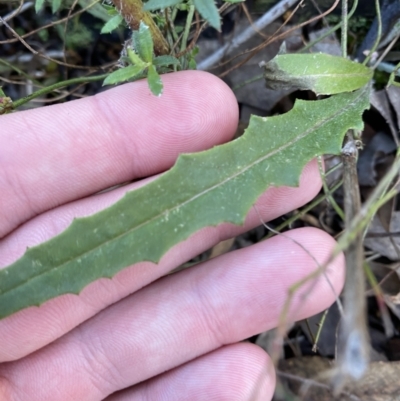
(280, 36)
(260, 24)
(58, 85)
(3, 42)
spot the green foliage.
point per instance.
(209, 11)
(143, 43)
(322, 73)
(143, 59)
(77, 36)
(55, 5)
(124, 74)
(203, 189)
(112, 24)
(39, 5)
(152, 5)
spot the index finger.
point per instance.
(60, 153)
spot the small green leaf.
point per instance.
(143, 42)
(322, 73)
(97, 9)
(203, 189)
(160, 4)
(55, 5)
(112, 24)
(164, 61)
(39, 5)
(136, 60)
(234, 1)
(123, 74)
(209, 11)
(154, 80)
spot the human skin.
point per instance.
(139, 336)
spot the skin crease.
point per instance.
(140, 336)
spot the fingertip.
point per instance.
(317, 248)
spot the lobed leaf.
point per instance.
(154, 81)
(136, 60)
(202, 189)
(209, 11)
(143, 42)
(123, 74)
(164, 61)
(322, 73)
(112, 24)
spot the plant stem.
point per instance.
(188, 24)
(132, 11)
(379, 33)
(343, 41)
(58, 85)
(305, 210)
(330, 31)
(327, 192)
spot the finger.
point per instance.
(181, 317)
(56, 154)
(235, 372)
(59, 315)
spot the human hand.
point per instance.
(132, 337)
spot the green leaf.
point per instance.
(322, 73)
(209, 11)
(39, 5)
(55, 5)
(154, 80)
(202, 189)
(123, 74)
(136, 60)
(160, 4)
(97, 10)
(164, 61)
(143, 42)
(112, 24)
(234, 1)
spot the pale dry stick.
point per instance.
(260, 24)
(386, 51)
(263, 44)
(20, 9)
(378, 197)
(353, 355)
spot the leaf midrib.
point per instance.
(182, 204)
